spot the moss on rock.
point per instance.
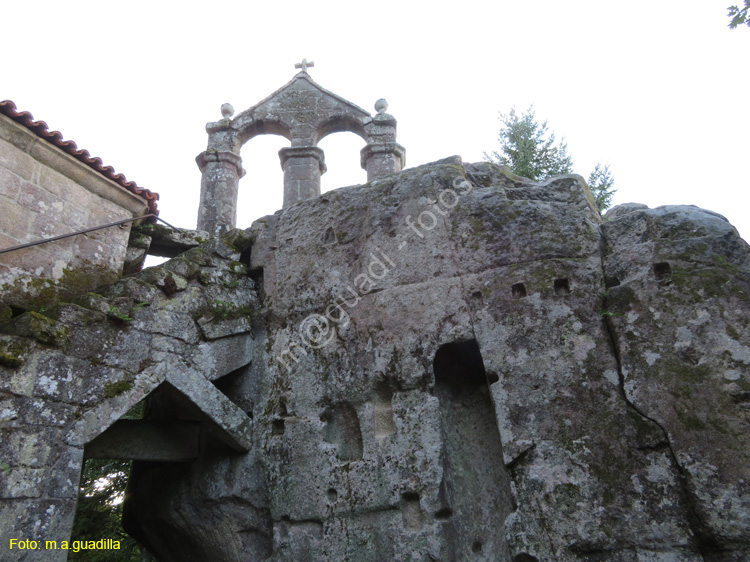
(112, 389)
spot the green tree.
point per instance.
(530, 151)
(601, 184)
(99, 512)
(739, 15)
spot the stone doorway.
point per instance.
(164, 430)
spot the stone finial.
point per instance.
(381, 106)
(227, 110)
(304, 65)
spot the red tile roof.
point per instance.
(40, 128)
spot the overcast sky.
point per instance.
(659, 90)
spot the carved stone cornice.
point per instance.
(210, 156)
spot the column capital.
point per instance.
(383, 150)
(303, 152)
(208, 156)
(302, 167)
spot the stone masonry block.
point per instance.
(17, 221)
(13, 159)
(106, 212)
(39, 519)
(147, 440)
(75, 216)
(65, 188)
(10, 184)
(6, 241)
(301, 172)
(45, 226)
(22, 482)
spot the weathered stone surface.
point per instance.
(68, 375)
(134, 260)
(147, 440)
(165, 241)
(451, 363)
(369, 456)
(45, 192)
(623, 209)
(679, 318)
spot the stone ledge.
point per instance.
(147, 440)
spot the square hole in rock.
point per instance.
(518, 290)
(562, 286)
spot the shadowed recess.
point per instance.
(475, 489)
(342, 429)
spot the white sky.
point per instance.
(660, 90)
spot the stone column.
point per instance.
(302, 167)
(382, 159)
(221, 171)
(382, 155)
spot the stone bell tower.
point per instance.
(303, 112)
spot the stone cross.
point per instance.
(304, 64)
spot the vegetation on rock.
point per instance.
(531, 151)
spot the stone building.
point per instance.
(49, 188)
(449, 362)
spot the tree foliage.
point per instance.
(99, 512)
(602, 184)
(529, 150)
(739, 15)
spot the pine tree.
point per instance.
(601, 185)
(528, 149)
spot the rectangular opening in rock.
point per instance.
(475, 484)
(663, 273)
(562, 286)
(518, 290)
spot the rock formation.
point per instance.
(448, 363)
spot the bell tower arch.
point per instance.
(303, 112)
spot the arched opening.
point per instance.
(341, 123)
(261, 190)
(342, 159)
(475, 490)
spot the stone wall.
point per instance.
(67, 377)
(45, 192)
(451, 363)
